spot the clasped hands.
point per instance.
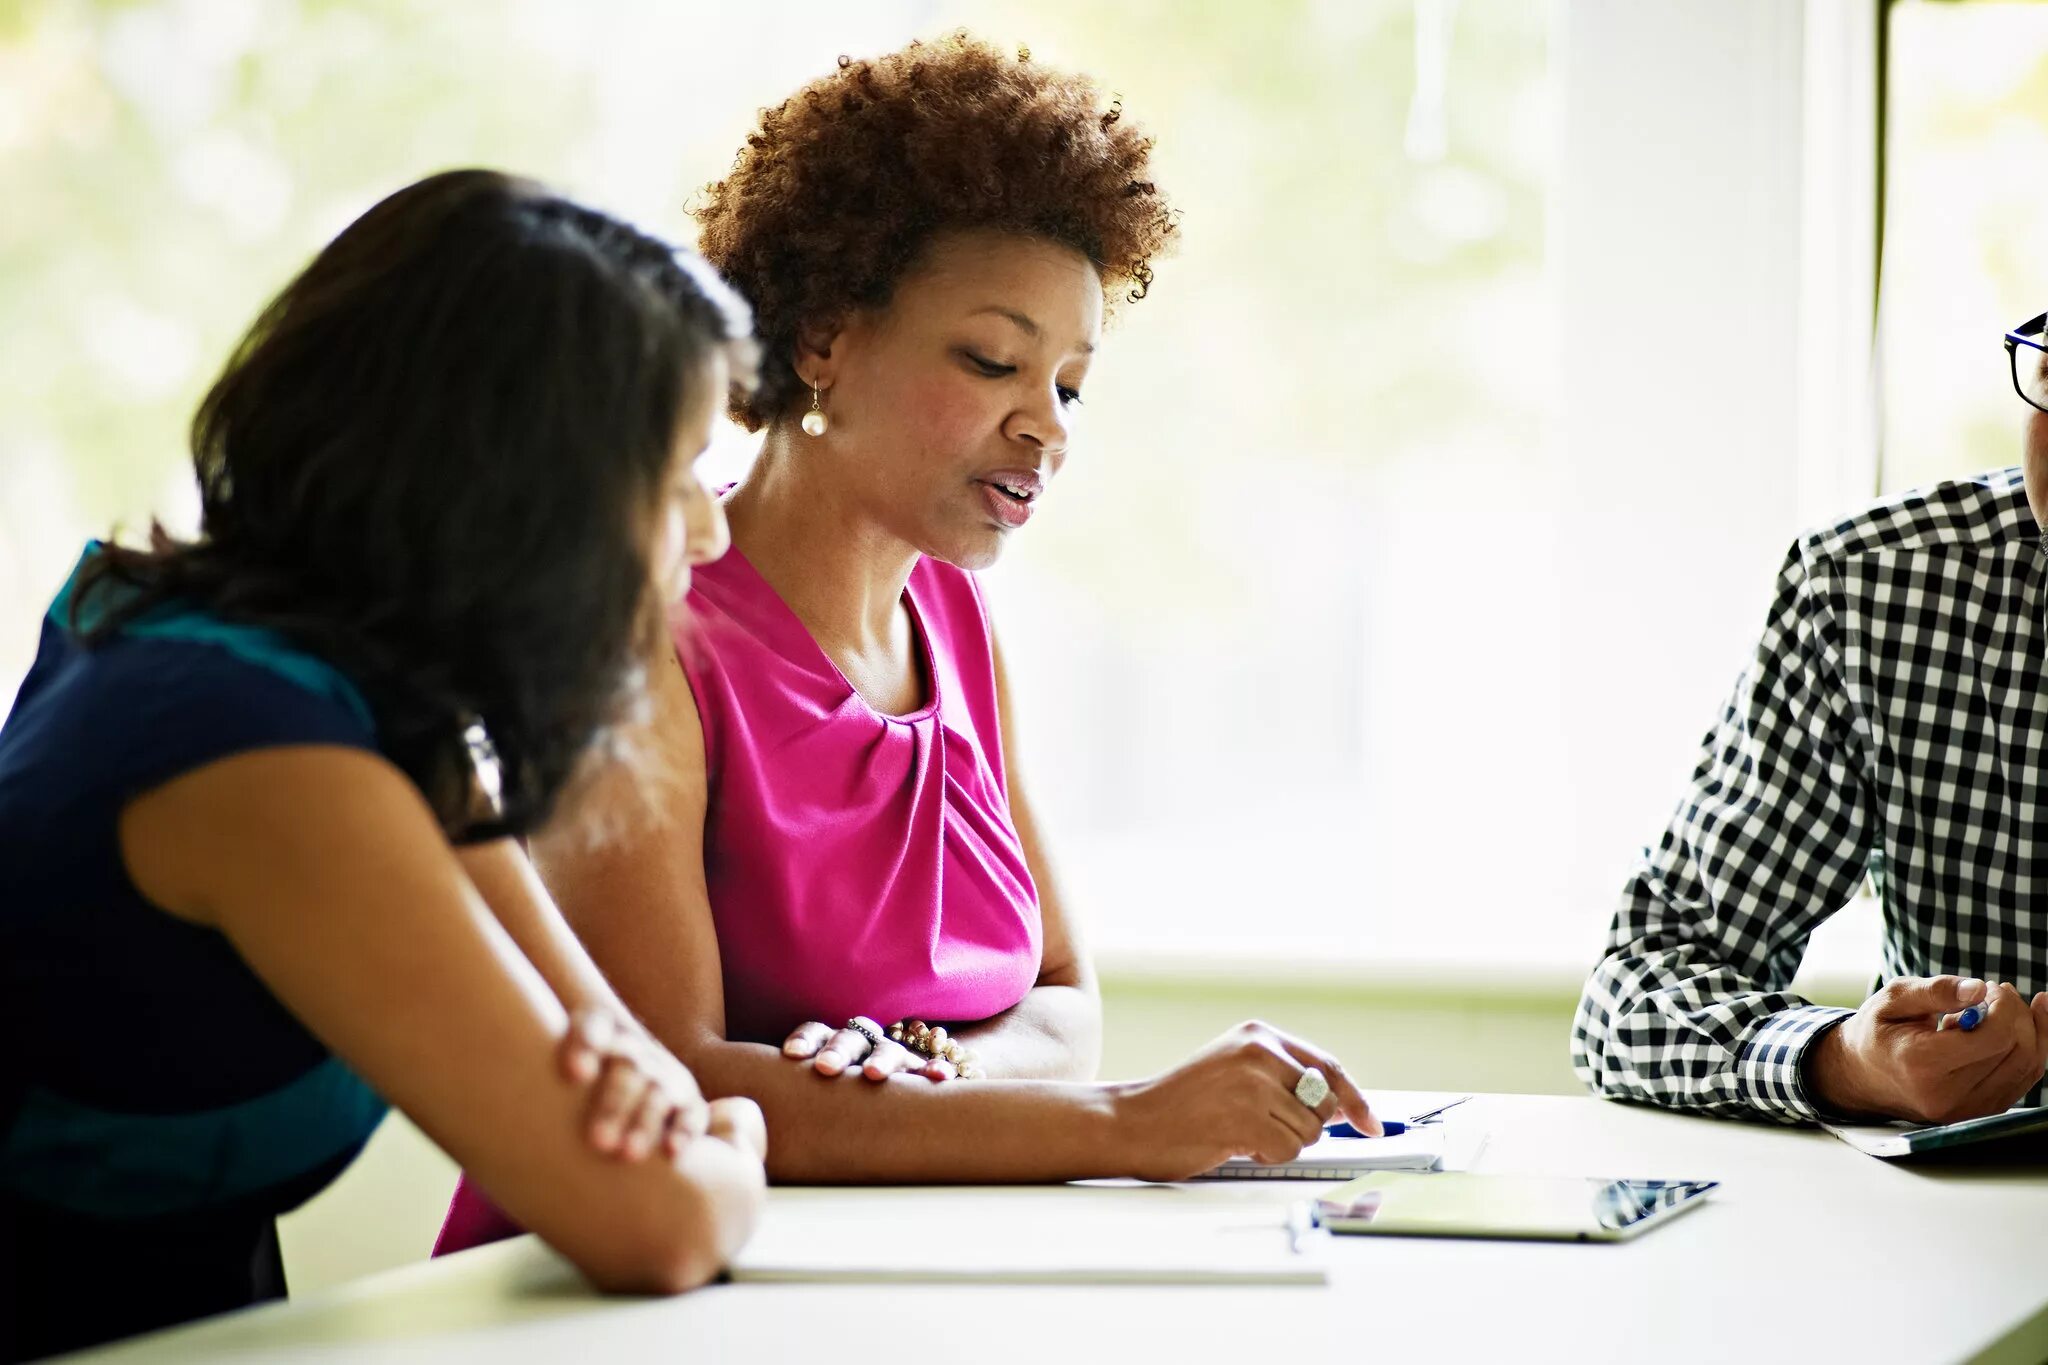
(642, 1099)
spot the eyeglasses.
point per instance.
(2026, 347)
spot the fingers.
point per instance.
(2008, 1007)
(1323, 1109)
(641, 1097)
(805, 1040)
(1286, 1073)
(841, 1050)
(583, 1047)
(738, 1120)
(2005, 1087)
(1345, 1097)
(2020, 1021)
(1304, 1123)
(691, 1116)
(2038, 1011)
(888, 1060)
(1966, 1020)
(2003, 1083)
(2007, 1021)
(674, 1139)
(1919, 997)
(938, 1069)
(1985, 1070)
(619, 1094)
(649, 1123)
(1283, 1136)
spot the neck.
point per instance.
(839, 570)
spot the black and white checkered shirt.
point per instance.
(1894, 720)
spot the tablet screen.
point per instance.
(1466, 1204)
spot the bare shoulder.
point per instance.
(264, 815)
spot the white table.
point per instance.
(1809, 1251)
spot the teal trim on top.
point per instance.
(250, 644)
(116, 1165)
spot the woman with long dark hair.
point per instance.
(261, 792)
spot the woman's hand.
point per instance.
(737, 1120)
(832, 1052)
(1234, 1098)
(641, 1098)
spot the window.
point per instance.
(1421, 516)
(1965, 200)
(1269, 579)
(1262, 629)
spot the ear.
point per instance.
(817, 352)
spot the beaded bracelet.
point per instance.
(933, 1043)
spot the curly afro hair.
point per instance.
(843, 184)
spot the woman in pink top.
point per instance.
(928, 240)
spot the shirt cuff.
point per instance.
(1768, 1074)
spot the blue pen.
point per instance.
(1394, 1127)
(1388, 1128)
(1966, 1019)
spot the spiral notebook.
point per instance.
(1451, 1144)
(1335, 1158)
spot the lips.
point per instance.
(1022, 484)
(1010, 495)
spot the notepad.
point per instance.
(1124, 1237)
(1335, 1158)
(1890, 1140)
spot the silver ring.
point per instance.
(1313, 1088)
(868, 1029)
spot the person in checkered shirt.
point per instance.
(1893, 722)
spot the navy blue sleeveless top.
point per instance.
(158, 1106)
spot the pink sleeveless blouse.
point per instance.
(858, 863)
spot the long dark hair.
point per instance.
(435, 461)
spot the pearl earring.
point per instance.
(814, 420)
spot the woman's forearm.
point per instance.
(1054, 1033)
(503, 876)
(850, 1130)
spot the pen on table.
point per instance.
(1394, 1127)
(1388, 1128)
(1302, 1222)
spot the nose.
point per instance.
(705, 534)
(1042, 424)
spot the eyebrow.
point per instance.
(1024, 324)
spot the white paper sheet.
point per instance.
(1155, 1235)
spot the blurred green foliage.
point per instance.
(165, 165)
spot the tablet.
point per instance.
(1890, 1140)
(1468, 1204)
